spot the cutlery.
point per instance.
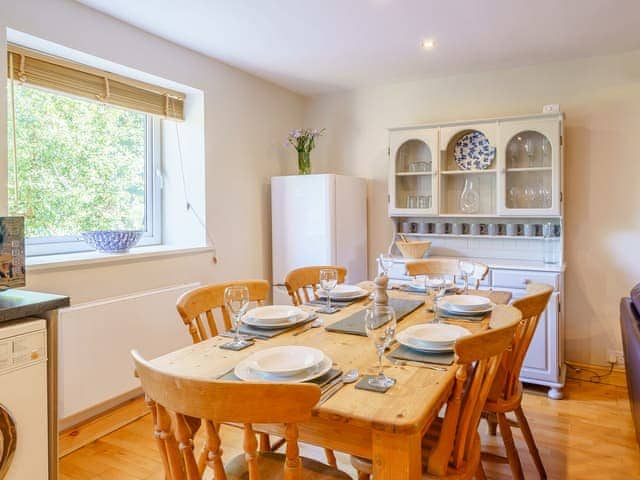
(403, 363)
(315, 324)
(225, 373)
(230, 334)
(464, 319)
(348, 377)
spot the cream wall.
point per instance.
(601, 100)
(245, 120)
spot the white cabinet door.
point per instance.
(541, 361)
(413, 171)
(529, 162)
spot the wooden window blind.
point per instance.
(53, 73)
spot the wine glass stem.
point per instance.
(236, 337)
(436, 315)
(380, 367)
(328, 300)
(466, 283)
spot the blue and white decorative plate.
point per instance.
(474, 152)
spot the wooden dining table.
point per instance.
(385, 427)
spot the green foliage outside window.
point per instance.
(81, 165)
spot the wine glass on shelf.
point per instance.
(514, 153)
(546, 152)
(328, 281)
(529, 148)
(386, 263)
(435, 287)
(236, 300)
(515, 196)
(466, 270)
(380, 325)
(530, 196)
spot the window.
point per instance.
(80, 166)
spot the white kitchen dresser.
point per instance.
(438, 194)
(544, 363)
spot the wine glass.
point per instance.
(546, 152)
(386, 262)
(514, 153)
(515, 196)
(466, 269)
(328, 281)
(530, 195)
(380, 325)
(529, 148)
(435, 287)
(236, 299)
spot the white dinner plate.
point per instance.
(408, 341)
(244, 372)
(274, 314)
(456, 311)
(344, 291)
(466, 303)
(435, 334)
(289, 322)
(286, 360)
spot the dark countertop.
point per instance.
(16, 304)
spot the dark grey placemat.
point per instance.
(364, 385)
(266, 333)
(334, 303)
(354, 324)
(403, 352)
(320, 381)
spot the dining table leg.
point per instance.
(396, 456)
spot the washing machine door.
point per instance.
(8, 439)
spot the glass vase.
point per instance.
(304, 163)
(469, 198)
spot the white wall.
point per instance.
(601, 99)
(245, 121)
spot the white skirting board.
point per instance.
(95, 339)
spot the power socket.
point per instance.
(615, 356)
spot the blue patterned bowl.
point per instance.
(112, 241)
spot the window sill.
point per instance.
(86, 259)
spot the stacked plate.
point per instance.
(418, 285)
(432, 337)
(344, 292)
(290, 364)
(275, 316)
(473, 305)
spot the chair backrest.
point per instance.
(507, 381)
(445, 266)
(478, 357)
(196, 307)
(300, 280)
(173, 398)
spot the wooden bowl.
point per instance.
(415, 249)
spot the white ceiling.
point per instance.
(316, 46)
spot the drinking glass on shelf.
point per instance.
(529, 148)
(466, 270)
(546, 152)
(236, 300)
(328, 281)
(514, 154)
(380, 325)
(544, 196)
(515, 197)
(435, 287)
(423, 201)
(530, 196)
(412, 201)
(386, 262)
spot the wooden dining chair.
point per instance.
(301, 280)
(173, 398)
(196, 307)
(451, 446)
(445, 266)
(506, 393)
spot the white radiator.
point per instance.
(95, 339)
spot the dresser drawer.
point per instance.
(520, 278)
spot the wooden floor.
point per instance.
(588, 435)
